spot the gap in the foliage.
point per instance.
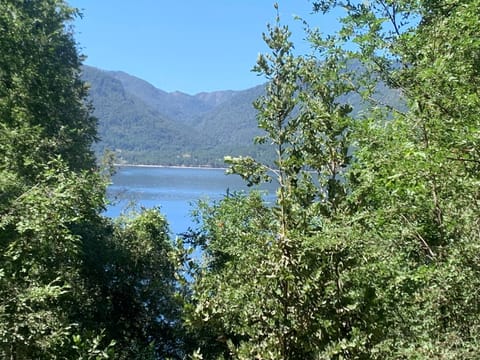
(174, 190)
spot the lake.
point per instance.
(174, 190)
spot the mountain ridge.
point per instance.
(146, 125)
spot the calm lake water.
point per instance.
(174, 190)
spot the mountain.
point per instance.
(176, 105)
(146, 125)
(143, 124)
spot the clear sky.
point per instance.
(189, 46)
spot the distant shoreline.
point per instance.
(170, 166)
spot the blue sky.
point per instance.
(188, 46)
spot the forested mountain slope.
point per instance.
(143, 124)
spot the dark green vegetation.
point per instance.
(371, 250)
(73, 285)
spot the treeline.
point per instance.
(371, 250)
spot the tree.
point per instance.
(378, 261)
(417, 182)
(73, 283)
(43, 98)
(273, 282)
(40, 264)
(47, 186)
(131, 272)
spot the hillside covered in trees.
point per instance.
(371, 250)
(145, 125)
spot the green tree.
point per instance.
(63, 267)
(274, 283)
(376, 258)
(131, 273)
(46, 185)
(416, 171)
(42, 97)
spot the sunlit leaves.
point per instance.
(47, 187)
(40, 258)
(413, 169)
(371, 246)
(272, 282)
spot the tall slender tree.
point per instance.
(272, 285)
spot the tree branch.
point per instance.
(424, 243)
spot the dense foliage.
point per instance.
(72, 283)
(370, 250)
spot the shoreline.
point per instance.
(170, 166)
